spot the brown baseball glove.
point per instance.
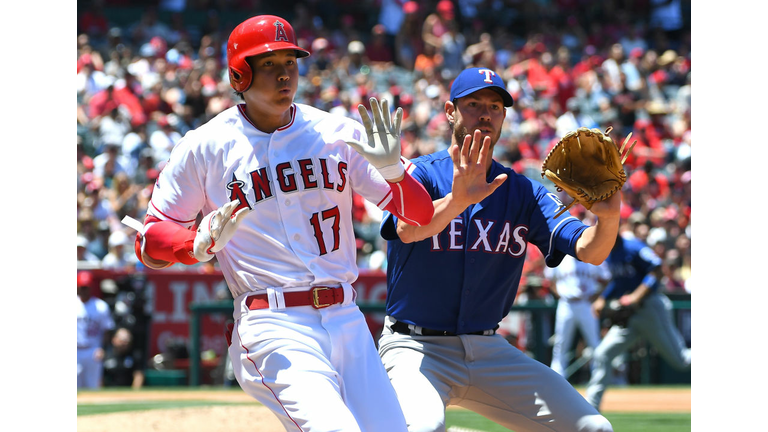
(586, 164)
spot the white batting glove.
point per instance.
(216, 229)
(383, 148)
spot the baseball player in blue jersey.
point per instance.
(451, 282)
(635, 270)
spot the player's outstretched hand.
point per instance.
(383, 148)
(469, 170)
(217, 228)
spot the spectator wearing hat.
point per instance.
(89, 79)
(94, 324)
(134, 142)
(83, 254)
(634, 81)
(88, 227)
(356, 60)
(145, 162)
(163, 139)
(320, 58)
(120, 256)
(108, 164)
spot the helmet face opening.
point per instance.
(257, 35)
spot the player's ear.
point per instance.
(450, 110)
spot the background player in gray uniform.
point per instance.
(275, 180)
(635, 272)
(452, 281)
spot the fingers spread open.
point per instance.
(484, 150)
(398, 121)
(377, 117)
(365, 118)
(465, 150)
(385, 116)
(474, 149)
(455, 155)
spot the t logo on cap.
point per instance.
(488, 74)
(474, 79)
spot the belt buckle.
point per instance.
(316, 298)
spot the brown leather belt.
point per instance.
(318, 297)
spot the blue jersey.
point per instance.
(631, 262)
(465, 278)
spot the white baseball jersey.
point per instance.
(576, 279)
(298, 181)
(94, 319)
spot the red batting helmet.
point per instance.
(257, 35)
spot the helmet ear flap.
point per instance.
(240, 80)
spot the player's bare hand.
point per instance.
(609, 208)
(217, 228)
(470, 167)
(383, 147)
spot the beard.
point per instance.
(461, 131)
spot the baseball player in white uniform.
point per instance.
(275, 180)
(94, 321)
(576, 284)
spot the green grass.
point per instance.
(621, 422)
(106, 408)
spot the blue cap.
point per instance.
(474, 79)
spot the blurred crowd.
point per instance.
(568, 63)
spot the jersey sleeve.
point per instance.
(555, 237)
(649, 262)
(179, 193)
(177, 198)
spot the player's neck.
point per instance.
(268, 122)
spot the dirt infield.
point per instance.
(206, 419)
